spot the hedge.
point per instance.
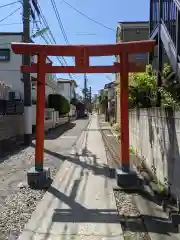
(59, 103)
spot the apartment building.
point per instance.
(10, 64)
(67, 88)
(126, 32)
(134, 31)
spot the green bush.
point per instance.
(143, 89)
(59, 103)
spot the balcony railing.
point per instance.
(169, 17)
(168, 12)
(154, 14)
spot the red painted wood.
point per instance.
(90, 69)
(82, 58)
(124, 113)
(40, 106)
(91, 50)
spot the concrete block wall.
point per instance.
(11, 126)
(155, 135)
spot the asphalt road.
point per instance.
(64, 139)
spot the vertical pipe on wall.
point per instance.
(26, 77)
(160, 53)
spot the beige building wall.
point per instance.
(131, 31)
(117, 99)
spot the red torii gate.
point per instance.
(81, 54)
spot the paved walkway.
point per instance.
(80, 204)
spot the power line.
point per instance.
(10, 14)
(47, 41)
(61, 26)
(47, 25)
(91, 19)
(59, 21)
(9, 4)
(54, 41)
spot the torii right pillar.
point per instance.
(125, 175)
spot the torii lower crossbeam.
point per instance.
(82, 53)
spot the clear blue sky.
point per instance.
(107, 12)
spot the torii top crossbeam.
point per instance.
(89, 50)
(82, 54)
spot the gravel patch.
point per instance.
(17, 211)
(131, 221)
(17, 200)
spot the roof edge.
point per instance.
(10, 33)
(133, 22)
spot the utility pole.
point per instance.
(90, 95)
(90, 98)
(26, 77)
(85, 88)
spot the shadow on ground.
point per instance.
(78, 213)
(10, 147)
(13, 146)
(155, 224)
(57, 132)
(91, 163)
(82, 118)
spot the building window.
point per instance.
(4, 55)
(32, 59)
(140, 56)
(137, 31)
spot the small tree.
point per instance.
(59, 103)
(142, 88)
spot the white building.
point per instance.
(67, 88)
(10, 64)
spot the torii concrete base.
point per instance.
(127, 179)
(39, 179)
